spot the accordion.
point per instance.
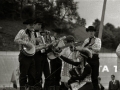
(75, 72)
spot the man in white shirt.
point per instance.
(41, 62)
(94, 44)
(25, 39)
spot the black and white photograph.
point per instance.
(59, 44)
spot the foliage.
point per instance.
(59, 14)
(110, 35)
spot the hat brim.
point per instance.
(90, 30)
(28, 21)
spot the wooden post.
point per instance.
(102, 20)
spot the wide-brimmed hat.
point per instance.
(70, 38)
(38, 20)
(28, 21)
(85, 53)
(90, 28)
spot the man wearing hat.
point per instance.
(94, 44)
(26, 39)
(81, 72)
(41, 61)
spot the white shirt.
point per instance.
(95, 47)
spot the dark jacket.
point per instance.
(114, 86)
(101, 87)
(87, 69)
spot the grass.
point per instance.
(9, 29)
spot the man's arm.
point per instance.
(69, 61)
(18, 39)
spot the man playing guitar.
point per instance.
(94, 44)
(56, 63)
(44, 41)
(25, 38)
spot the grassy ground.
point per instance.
(7, 34)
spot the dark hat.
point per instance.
(113, 75)
(85, 53)
(38, 20)
(90, 28)
(28, 21)
(99, 78)
(70, 38)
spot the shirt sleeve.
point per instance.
(63, 52)
(19, 38)
(97, 45)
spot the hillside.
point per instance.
(80, 33)
(7, 34)
(10, 29)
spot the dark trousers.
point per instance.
(42, 66)
(56, 66)
(27, 71)
(94, 63)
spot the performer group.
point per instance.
(64, 63)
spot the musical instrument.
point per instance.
(57, 50)
(27, 51)
(51, 55)
(32, 50)
(77, 85)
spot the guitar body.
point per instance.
(58, 49)
(52, 55)
(29, 52)
(77, 85)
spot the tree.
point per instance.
(96, 24)
(108, 35)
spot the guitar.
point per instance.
(77, 85)
(27, 51)
(32, 50)
(56, 51)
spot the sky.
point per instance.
(92, 9)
